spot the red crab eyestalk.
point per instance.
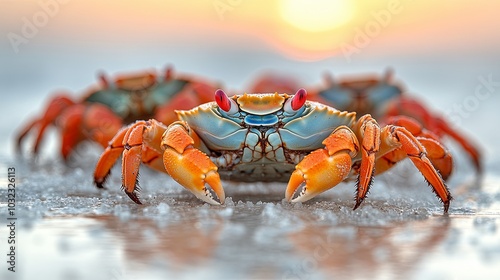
(101, 76)
(225, 103)
(389, 75)
(296, 102)
(169, 73)
(328, 79)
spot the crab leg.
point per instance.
(368, 131)
(137, 144)
(189, 166)
(71, 129)
(439, 156)
(100, 124)
(56, 106)
(466, 145)
(324, 168)
(93, 121)
(436, 124)
(399, 137)
(108, 158)
(132, 158)
(140, 137)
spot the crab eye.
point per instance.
(225, 103)
(105, 82)
(169, 73)
(296, 102)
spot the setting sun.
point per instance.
(316, 15)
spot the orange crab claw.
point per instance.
(324, 168)
(189, 166)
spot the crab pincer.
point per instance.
(189, 166)
(324, 168)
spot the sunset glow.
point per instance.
(316, 15)
(297, 29)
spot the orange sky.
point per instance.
(304, 32)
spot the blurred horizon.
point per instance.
(437, 49)
(299, 30)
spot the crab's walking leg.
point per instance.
(100, 124)
(324, 168)
(439, 156)
(132, 158)
(70, 122)
(411, 107)
(189, 166)
(137, 144)
(94, 122)
(56, 106)
(368, 131)
(399, 137)
(108, 158)
(466, 145)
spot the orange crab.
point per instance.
(112, 103)
(384, 99)
(271, 137)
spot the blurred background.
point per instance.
(437, 49)
(445, 52)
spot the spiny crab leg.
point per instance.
(411, 107)
(189, 166)
(108, 158)
(400, 137)
(136, 144)
(368, 130)
(323, 168)
(439, 156)
(140, 142)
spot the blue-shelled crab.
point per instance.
(271, 137)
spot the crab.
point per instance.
(389, 102)
(383, 98)
(271, 137)
(113, 103)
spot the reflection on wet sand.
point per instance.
(186, 242)
(368, 252)
(311, 248)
